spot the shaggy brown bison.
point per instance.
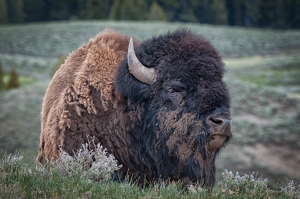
(160, 107)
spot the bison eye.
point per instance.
(174, 91)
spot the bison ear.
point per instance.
(137, 69)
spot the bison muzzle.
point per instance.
(160, 106)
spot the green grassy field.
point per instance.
(263, 76)
(20, 180)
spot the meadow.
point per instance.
(263, 77)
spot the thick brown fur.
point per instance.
(89, 69)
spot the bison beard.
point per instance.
(169, 127)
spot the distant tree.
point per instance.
(185, 12)
(294, 13)
(234, 12)
(1, 77)
(34, 10)
(267, 9)
(58, 10)
(115, 10)
(15, 11)
(93, 9)
(78, 9)
(156, 12)
(98, 9)
(3, 12)
(201, 10)
(73, 6)
(129, 10)
(280, 14)
(13, 81)
(251, 13)
(170, 8)
(218, 12)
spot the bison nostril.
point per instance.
(216, 121)
(220, 120)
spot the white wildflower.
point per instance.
(243, 184)
(292, 189)
(88, 164)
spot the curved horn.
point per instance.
(137, 69)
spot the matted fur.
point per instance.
(93, 65)
(156, 131)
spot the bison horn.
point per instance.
(137, 69)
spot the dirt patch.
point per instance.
(254, 119)
(277, 158)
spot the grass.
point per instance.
(262, 77)
(272, 71)
(274, 78)
(28, 66)
(20, 180)
(22, 80)
(52, 39)
(20, 118)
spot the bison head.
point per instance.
(175, 83)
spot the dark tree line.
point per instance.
(251, 13)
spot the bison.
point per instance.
(159, 106)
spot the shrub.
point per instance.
(247, 184)
(197, 189)
(13, 163)
(292, 189)
(156, 12)
(10, 162)
(13, 81)
(88, 164)
(1, 77)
